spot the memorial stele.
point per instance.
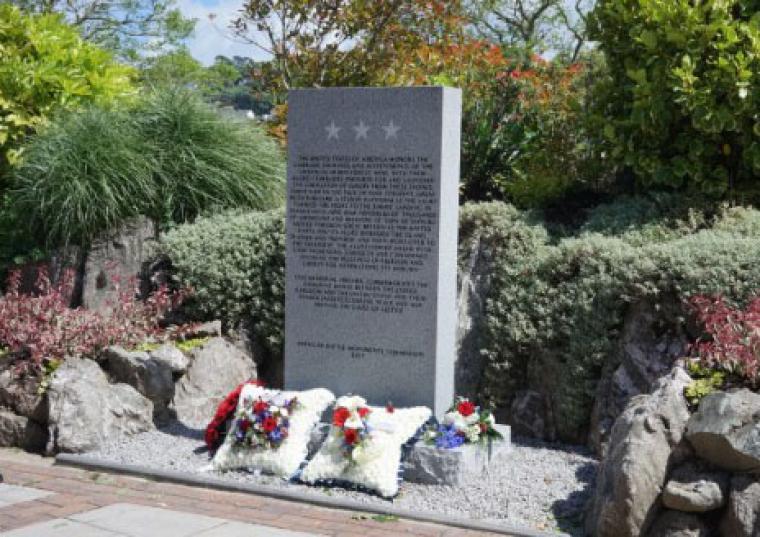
(371, 263)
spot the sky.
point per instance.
(213, 38)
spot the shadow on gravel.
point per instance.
(177, 428)
(569, 511)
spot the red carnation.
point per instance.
(340, 416)
(363, 412)
(260, 406)
(465, 408)
(269, 424)
(351, 436)
(389, 408)
(483, 427)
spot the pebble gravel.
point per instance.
(539, 485)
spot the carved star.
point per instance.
(361, 130)
(391, 130)
(332, 131)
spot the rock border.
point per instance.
(89, 463)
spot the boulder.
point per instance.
(152, 378)
(694, 491)
(170, 357)
(474, 283)
(21, 394)
(208, 329)
(20, 431)
(634, 471)
(117, 256)
(215, 369)
(529, 415)
(726, 430)
(678, 524)
(742, 518)
(650, 343)
(86, 410)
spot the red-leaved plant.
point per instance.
(41, 326)
(732, 341)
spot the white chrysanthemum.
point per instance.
(473, 433)
(351, 402)
(284, 412)
(472, 418)
(455, 419)
(354, 422)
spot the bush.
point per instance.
(41, 329)
(235, 264)
(680, 103)
(46, 66)
(556, 304)
(731, 342)
(554, 318)
(171, 158)
(85, 174)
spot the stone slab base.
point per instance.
(432, 466)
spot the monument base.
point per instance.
(433, 466)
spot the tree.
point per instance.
(45, 66)
(557, 25)
(679, 106)
(346, 42)
(124, 26)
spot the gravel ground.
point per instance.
(543, 486)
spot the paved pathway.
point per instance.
(44, 500)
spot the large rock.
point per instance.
(20, 393)
(650, 343)
(215, 369)
(530, 415)
(474, 283)
(726, 430)
(633, 473)
(694, 491)
(116, 256)
(20, 431)
(171, 357)
(86, 410)
(149, 376)
(742, 518)
(678, 524)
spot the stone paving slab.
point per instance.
(12, 494)
(75, 491)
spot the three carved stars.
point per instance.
(361, 130)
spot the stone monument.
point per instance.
(371, 265)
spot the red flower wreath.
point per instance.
(224, 412)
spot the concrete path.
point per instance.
(44, 500)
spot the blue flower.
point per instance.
(275, 435)
(448, 438)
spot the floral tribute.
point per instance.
(225, 412)
(262, 423)
(463, 423)
(351, 425)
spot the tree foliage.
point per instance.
(680, 103)
(45, 66)
(557, 25)
(127, 27)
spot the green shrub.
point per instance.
(84, 174)
(234, 263)
(46, 66)
(554, 319)
(171, 158)
(556, 304)
(680, 103)
(206, 159)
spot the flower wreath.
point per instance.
(225, 412)
(463, 423)
(351, 425)
(263, 423)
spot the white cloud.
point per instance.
(213, 37)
